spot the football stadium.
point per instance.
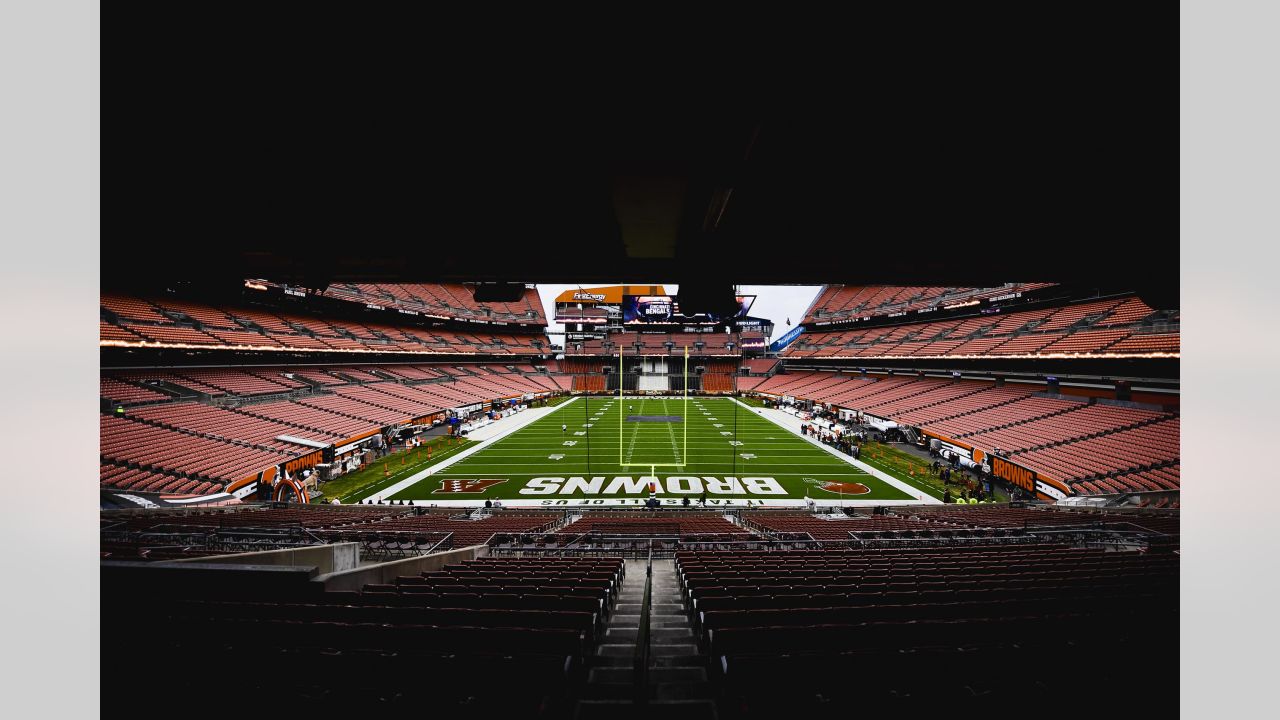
(624, 499)
(657, 429)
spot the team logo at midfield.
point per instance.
(466, 485)
(842, 488)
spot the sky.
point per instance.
(773, 302)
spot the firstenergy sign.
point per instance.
(643, 485)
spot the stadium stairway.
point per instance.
(677, 684)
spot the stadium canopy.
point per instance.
(914, 192)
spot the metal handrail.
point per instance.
(640, 670)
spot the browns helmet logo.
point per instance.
(842, 488)
(466, 485)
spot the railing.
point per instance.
(640, 669)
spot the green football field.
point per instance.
(613, 451)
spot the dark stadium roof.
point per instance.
(954, 184)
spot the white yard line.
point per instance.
(792, 424)
(631, 447)
(498, 431)
(675, 451)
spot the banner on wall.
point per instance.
(247, 486)
(1045, 488)
(786, 340)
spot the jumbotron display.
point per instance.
(666, 309)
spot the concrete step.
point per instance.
(669, 649)
(602, 709)
(655, 621)
(664, 709)
(676, 661)
(656, 634)
(668, 617)
(665, 608)
(609, 691)
(616, 649)
(700, 709)
(612, 661)
(611, 675)
(692, 690)
(679, 674)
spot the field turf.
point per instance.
(700, 440)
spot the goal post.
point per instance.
(682, 454)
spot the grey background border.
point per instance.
(1230, 225)
(50, 231)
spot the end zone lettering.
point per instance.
(673, 485)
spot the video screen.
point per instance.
(665, 309)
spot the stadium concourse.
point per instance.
(396, 498)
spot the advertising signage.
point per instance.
(639, 309)
(785, 340)
(1045, 488)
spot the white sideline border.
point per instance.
(923, 498)
(532, 415)
(500, 429)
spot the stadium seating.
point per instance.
(1145, 343)
(682, 524)
(303, 416)
(821, 529)
(850, 301)
(310, 518)
(217, 423)
(526, 624)
(108, 332)
(1056, 436)
(655, 343)
(163, 321)
(356, 400)
(470, 532)
(901, 628)
(159, 449)
(1121, 452)
(1090, 327)
(124, 392)
(450, 300)
(138, 480)
(761, 366)
(934, 625)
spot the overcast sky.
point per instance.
(773, 302)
